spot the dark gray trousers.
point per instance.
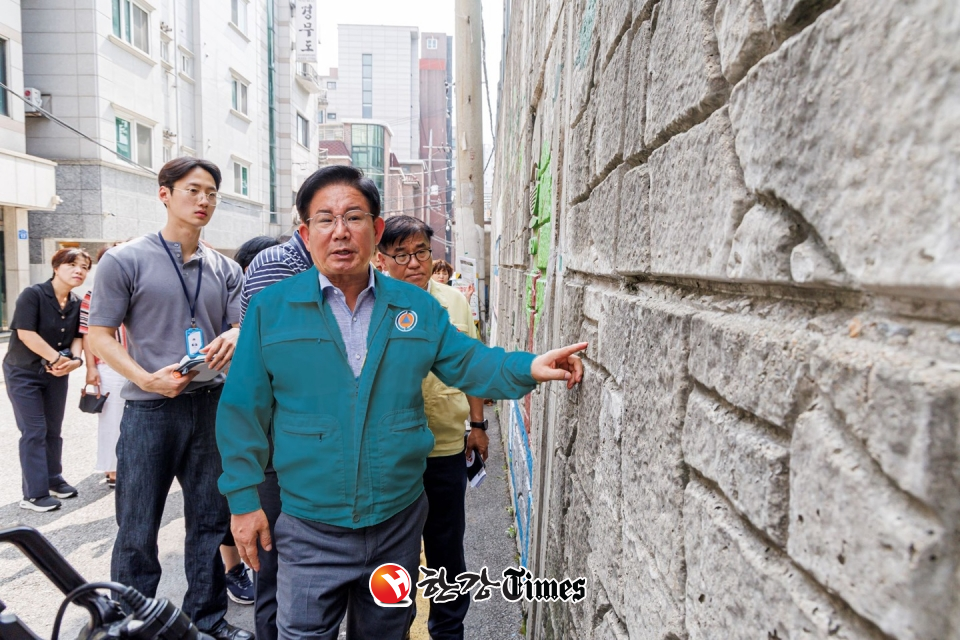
(38, 400)
(265, 580)
(325, 572)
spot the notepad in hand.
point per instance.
(476, 470)
(204, 372)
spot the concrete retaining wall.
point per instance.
(751, 209)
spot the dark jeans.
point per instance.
(161, 440)
(265, 580)
(325, 572)
(38, 401)
(445, 483)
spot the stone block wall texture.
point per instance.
(751, 210)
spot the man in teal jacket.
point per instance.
(331, 361)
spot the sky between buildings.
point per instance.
(427, 15)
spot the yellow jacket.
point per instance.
(446, 407)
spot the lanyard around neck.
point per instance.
(183, 283)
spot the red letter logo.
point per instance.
(390, 586)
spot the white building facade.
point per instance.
(26, 182)
(378, 78)
(152, 80)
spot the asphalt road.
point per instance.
(84, 529)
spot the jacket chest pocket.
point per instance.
(298, 335)
(289, 355)
(308, 454)
(415, 348)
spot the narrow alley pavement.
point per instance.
(83, 530)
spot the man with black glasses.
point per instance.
(172, 294)
(405, 250)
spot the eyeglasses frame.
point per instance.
(397, 257)
(340, 217)
(216, 197)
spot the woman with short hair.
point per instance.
(45, 346)
(442, 272)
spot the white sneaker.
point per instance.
(45, 503)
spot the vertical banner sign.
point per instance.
(468, 276)
(306, 23)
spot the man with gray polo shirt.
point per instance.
(172, 294)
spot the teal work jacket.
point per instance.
(348, 451)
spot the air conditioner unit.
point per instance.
(34, 100)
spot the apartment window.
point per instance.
(367, 85)
(186, 63)
(167, 152)
(367, 151)
(303, 131)
(331, 117)
(131, 23)
(240, 95)
(431, 43)
(319, 117)
(241, 177)
(3, 78)
(238, 14)
(165, 51)
(135, 141)
(332, 86)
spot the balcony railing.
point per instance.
(308, 77)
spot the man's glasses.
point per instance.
(403, 258)
(212, 196)
(354, 220)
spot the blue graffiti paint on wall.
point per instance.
(520, 461)
(586, 34)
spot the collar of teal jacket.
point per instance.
(387, 295)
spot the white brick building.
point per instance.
(27, 181)
(156, 79)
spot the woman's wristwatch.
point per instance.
(66, 353)
(479, 425)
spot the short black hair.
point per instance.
(399, 228)
(179, 167)
(249, 249)
(337, 174)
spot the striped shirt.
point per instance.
(355, 324)
(120, 335)
(272, 265)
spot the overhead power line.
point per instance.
(76, 131)
(486, 85)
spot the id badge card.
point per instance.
(194, 337)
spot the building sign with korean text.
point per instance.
(305, 20)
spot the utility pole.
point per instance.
(469, 143)
(429, 213)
